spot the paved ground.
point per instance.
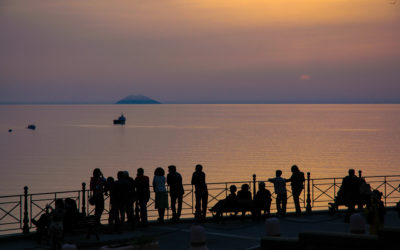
(233, 234)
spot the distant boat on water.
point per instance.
(120, 121)
(31, 126)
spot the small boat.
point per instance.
(121, 120)
(31, 126)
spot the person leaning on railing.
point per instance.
(199, 182)
(176, 191)
(142, 184)
(297, 182)
(97, 186)
(281, 193)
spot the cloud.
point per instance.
(304, 77)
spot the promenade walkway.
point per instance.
(232, 234)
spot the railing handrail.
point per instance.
(209, 183)
(372, 176)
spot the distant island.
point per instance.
(137, 99)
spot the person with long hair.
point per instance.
(297, 183)
(161, 193)
(97, 186)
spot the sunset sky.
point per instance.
(200, 51)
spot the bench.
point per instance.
(235, 207)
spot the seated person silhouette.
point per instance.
(244, 198)
(227, 204)
(262, 201)
(50, 224)
(349, 193)
(72, 215)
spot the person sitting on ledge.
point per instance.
(72, 215)
(244, 196)
(50, 224)
(349, 193)
(228, 204)
(262, 201)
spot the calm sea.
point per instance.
(231, 141)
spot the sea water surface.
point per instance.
(232, 142)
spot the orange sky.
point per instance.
(199, 50)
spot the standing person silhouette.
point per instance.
(131, 199)
(97, 186)
(174, 181)
(199, 182)
(281, 194)
(143, 194)
(121, 190)
(297, 182)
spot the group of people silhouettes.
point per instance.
(355, 191)
(297, 183)
(128, 199)
(126, 191)
(260, 205)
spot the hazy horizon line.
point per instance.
(381, 101)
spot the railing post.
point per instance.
(385, 189)
(25, 229)
(334, 189)
(254, 186)
(193, 200)
(308, 208)
(84, 198)
(359, 173)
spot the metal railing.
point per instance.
(17, 211)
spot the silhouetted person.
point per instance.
(375, 212)
(174, 181)
(122, 195)
(349, 193)
(226, 204)
(143, 194)
(72, 215)
(244, 195)
(131, 199)
(50, 224)
(297, 183)
(199, 182)
(232, 197)
(161, 201)
(262, 201)
(280, 190)
(113, 218)
(56, 227)
(97, 184)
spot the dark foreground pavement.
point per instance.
(232, 234)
